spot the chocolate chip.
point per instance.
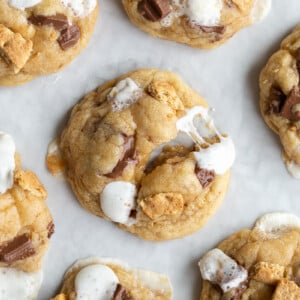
(204, 176)
(128, 157)
(20, 247)
(276, 100)
(58, 21)
(213, 29)
(121, 293)
(154, 10)
(289, 109)
(69, 37)
(50, 229)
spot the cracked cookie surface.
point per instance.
(261, 263)
(120, 163)
(96, 277)
(280, 98)
(41, 38)
(201, 24)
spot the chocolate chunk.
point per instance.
(133, 214)
(50, 229)
(204, 176)
(69, 37)
(289, 109)
(121, 293)
(58, 21)
(154, 10)
(276, 100)
(213, 29)
(128, 157)
(19, 248)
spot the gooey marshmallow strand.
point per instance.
(197, 124)
(7, 162)
(80, 8)
(19, 285)
(218, 268)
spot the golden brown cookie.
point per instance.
(280, 98)
(197, 23)
(26, 226)
(39, 37)
(142, 151)
(94, 277)
(260, 264)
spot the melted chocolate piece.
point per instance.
(69, 34)
(154, 10)
(204, 176)
(128, 157)
(276, 100)
(69, 37)
(58, 21)
(212, 29)
(50, 229)
(288, 107)
(19, 248)
(121, 294)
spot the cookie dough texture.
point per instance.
(28, 50)
(171, 202)
(279, 95)
(23, 212)
(141, 285)
(271, 259)
(235, 15)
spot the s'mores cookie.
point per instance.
(261, 263)
(26, 226)
(39, 37)
(280, 98)
(197, 23)
(143, 151)
(96, 278)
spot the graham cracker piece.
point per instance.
(14, 49)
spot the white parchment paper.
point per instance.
(227, 77)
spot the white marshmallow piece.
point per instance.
(218, 157)
(124, 94)
(80, 8)
(260, 10)
(7, 162)
(19, 285)
(273, 225)
(218, 268)
(22, 4)
(95, 282)
(204, 12)
(117, 200)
